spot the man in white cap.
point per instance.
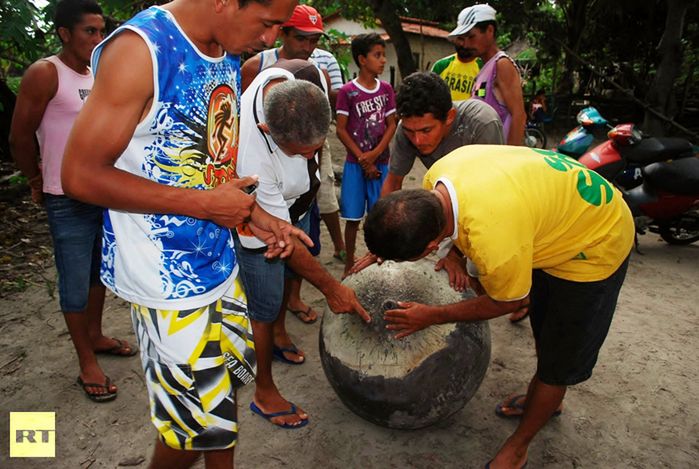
(498, 83)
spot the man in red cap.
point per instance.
(299, 36)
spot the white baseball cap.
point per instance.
(472, 15)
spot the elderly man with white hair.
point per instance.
(285, 117)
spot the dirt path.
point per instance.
(638, 410)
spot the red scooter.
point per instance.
(659, 179)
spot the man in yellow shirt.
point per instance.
(458, 71)
(542, 232)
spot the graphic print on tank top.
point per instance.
(189, 139)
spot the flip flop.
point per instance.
(278, 353)
(299, 313)
(340, 256)
(118, 348)
(271, 415)
(514, 404)
(104, 397)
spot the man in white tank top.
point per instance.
(157, 144)
(51, 94)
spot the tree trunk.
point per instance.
(576, 18)
(7, 107)
(385, 11)
(661, 92)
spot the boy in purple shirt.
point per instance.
(366, 122)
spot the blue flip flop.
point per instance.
(513, 404)
(278, 353)
(271, 415)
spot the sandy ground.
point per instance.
(638, 410)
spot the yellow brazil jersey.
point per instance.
(458, 75)
(518, 209)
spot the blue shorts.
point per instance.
(76, 230)
(263, 279)
(359, 194)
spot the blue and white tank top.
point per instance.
(188, 139)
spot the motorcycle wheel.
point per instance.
(682, 230)
(534, 138)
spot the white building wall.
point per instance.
(430, 49)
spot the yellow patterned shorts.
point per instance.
(194, 360)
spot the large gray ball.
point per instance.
(409, 383)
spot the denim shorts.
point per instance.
(263, 279)
(570, 321)
(76, 230)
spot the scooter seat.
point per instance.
(679, 177)
(651, 150)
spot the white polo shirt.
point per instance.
(282, 178)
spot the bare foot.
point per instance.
(513, 406)
(508, 460)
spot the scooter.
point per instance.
(663, 195)
(534, 135)
(577, 141)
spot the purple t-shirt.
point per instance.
(366, 112)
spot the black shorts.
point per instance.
(570, 321)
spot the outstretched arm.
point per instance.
(392, 183)
(341, 299)
(413, 317)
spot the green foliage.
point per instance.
(337, 43)
(13, 83)
(17, 180)
(22, 39)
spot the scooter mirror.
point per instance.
(625, 134)
(590, 117)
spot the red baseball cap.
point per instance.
(306, 19)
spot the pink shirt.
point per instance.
(61, 111)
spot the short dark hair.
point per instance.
(402, 224)
(483, 25)
(421, 93)
(70, 12)
(362, 44)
